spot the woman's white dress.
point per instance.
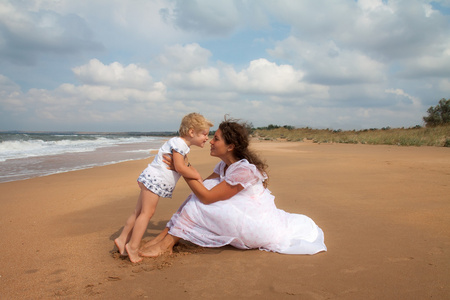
(248, 220)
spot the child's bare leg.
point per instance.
(121, 247)
(165, 245)
(127, 230)
(149, 201)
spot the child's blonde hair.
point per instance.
(194, 121)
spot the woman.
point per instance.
(234, 207)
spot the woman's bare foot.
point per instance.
(121, 247)
(154, 250)
(165, 245)
(157, 239)
(133, 254)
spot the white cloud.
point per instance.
(200, 78)
(10, 96)
(109, 94)
(264, 77)
(437, 65)
(204, 16)
(397, 30)
(113, 64)
(7, 85)
(415, 101)
(373, 5)
(27, 34)
(90, 104)
(114, 74)
(444, 86)
(326, 63)
(184, 58)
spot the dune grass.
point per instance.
(417, 136)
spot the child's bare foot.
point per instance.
(133, 254)
(121, 247)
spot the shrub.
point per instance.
(438, 115)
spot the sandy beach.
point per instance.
(385, 212)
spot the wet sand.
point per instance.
(385, 212)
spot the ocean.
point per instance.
(28, 155)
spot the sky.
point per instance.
(141, 65)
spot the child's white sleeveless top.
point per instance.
(156, 177)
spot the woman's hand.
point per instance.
(191, 173)
(168, 160)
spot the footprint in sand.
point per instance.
(353, 270)
(400, 259)
(436, 251)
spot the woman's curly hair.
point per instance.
(237, 133)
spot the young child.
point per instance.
(158, 181)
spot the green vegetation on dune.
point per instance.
(435, 133)
(416, 136)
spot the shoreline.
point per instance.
(80, 168)
(383, 209)
(24, 159)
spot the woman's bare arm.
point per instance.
(222, 191)
(168, 160)
(212, 176)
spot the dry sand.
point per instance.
(385, 211)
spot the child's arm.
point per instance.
(182, 169)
